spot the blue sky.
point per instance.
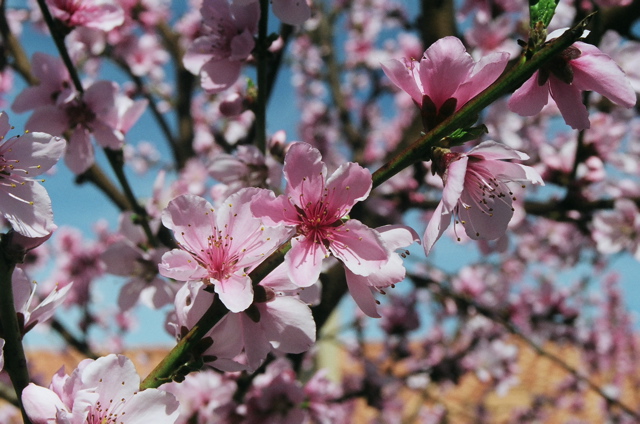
(80, 206)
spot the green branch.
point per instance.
(14, 357)
(508, 82)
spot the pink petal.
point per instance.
(348, 185)
(454, 183)
(273, 210)
(569, 101)
(41, 404)
(530, 98)
(304, 261)
(305, 172)
(151, 406)
(361, 293)
(48, 306)
(37, 152)
(191, 218)
(397, 236)
(235, 292)
(359, 247)
(444, 67)
(484, 73)
(403, 78)
(288, 324)
(480, 224)
(218, 75)
(181, 266)
(242, 45)
(48, 119)
(120, 258)
(199, 53)
(256, 345)
(27, 207)
(292, 12)
(596, 71)
(79, 156)
(438, 224)
(246, 15)
(491, 150)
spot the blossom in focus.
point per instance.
(219, 247)
(445, 78)
(361, 287)
(99, 391)
(318, 207)
(475, 191)
(24, 202)
(581, 67)
(277, 321)
(218, 55)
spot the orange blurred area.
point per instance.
(539, 380)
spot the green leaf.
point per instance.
(462, 135)
(542, 11)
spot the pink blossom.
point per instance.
(219, 247)
(54, 88)
(445, 78)
(101, 111)
(30, 311)
(476, 192)
(248, 167)
(100, 391)
(77, 262)
(275, 322)
(207, 395)
(616, 230)
(126, 258)
(581, 67)
(317, 206)
(218, 56)
(95, 14)
(276, 396)
(24, 202)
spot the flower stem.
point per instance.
(509, 81)
(181, 353)
(15, 359)
(261, 69)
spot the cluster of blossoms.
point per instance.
(250, 242)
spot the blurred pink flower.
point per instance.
(24, 202)
(218, 55)
(219, 247)
(445, 78)
(95, 14)
(475, 191)
(581, 67)
(100, 391)
(317, 206)
(292, 12)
